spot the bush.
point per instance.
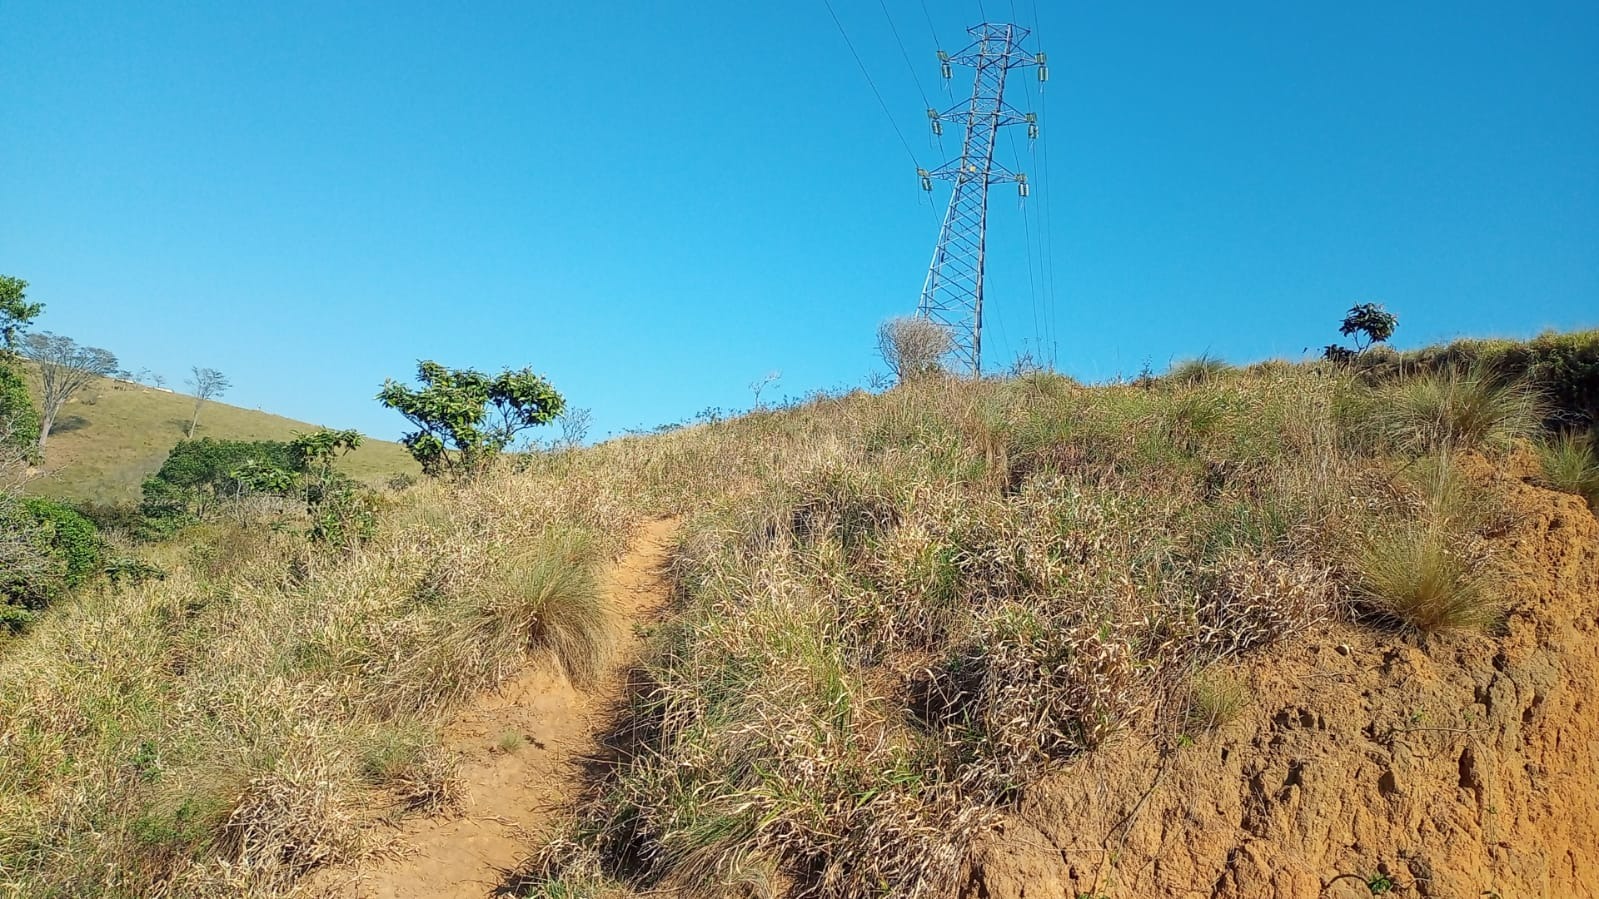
(199, 475)
(49, 548)
(912, 347)
(72, 537)
(1571, 465)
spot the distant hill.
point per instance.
(115, 433)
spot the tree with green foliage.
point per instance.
(342, 512)
(16, 313)
(19, 420)
(64, 369)
(464, 418)
(1368, 324)
(199, 475)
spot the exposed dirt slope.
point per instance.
(513, 793)
(1462, 768)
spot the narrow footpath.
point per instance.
(519, 748)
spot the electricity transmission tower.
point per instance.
(952, 295)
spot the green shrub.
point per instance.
(50, 549)
(1571, 465)
(72, 537)
(19, 420)
(200, 474)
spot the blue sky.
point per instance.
(657, 204)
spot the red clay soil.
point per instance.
(518, 750)
(1458, 767)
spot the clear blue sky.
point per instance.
(655, 204)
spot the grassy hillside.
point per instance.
(900, 622)
(114, 434)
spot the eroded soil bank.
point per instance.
(1455, 767)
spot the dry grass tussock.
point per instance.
(893, 614)
(1571, 464)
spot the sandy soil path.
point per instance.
(514, 793)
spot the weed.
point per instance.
(1218, 698)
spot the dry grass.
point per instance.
(905, 609)
(224, 731)
(893, 614)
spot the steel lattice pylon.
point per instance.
(952, 295)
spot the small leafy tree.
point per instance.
(342, 513)
(207, 383)
(64, 369)
(1368, 324)
(913, 346)
(464, 418)
(19, 420)
(16, 313)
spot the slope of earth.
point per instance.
(115, 433)
(1366, 763)
(520, 750)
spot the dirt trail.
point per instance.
(517, 746)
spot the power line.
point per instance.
(1049, 228)
(875, 92)
(1027, 233)
(930, 29)
(903, 54)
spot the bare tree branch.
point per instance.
(207, 383)
(912, 347)
(64, 369)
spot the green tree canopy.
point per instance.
(16, 313)
(19, 420)
(200, 473)
(464, 417)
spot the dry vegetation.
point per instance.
(893, 614)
